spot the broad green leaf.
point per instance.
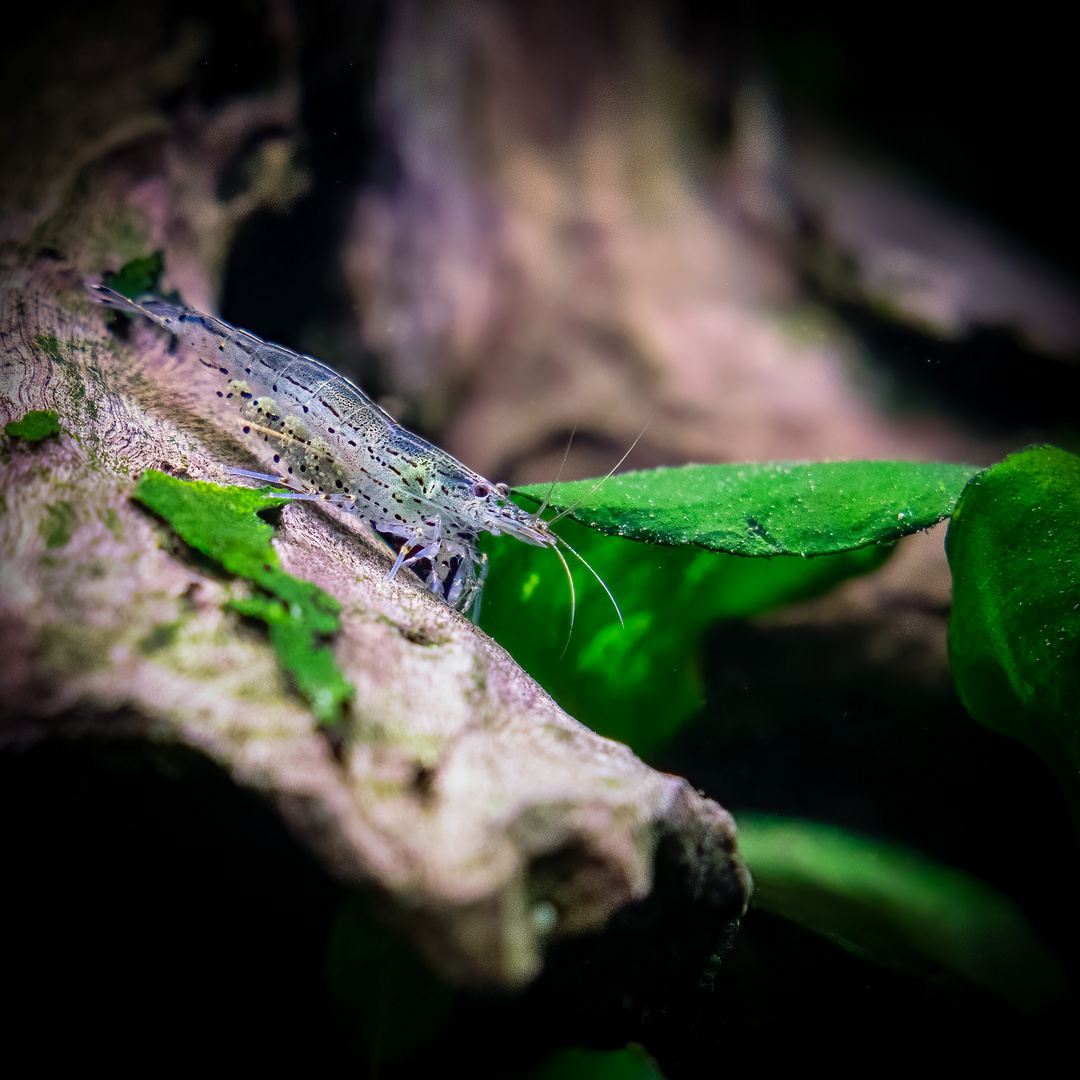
(1014, 638)
(36, 425)
(631, 1063)
(778, 508)
(223, 523)
(898, 908)
(640, 683)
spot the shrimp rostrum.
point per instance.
(331, 441)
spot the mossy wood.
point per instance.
(452, 774)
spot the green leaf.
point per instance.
(36, 425)
(767, 509)
(898, 908)
(631, 1063)
(1014, 637)
(138, 277)
(641, 683)
(223, 523)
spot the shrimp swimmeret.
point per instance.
(333, 442)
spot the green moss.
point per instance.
(137, 276)
(50, 346)
(224, 524)
(72, 376)
(161, 637)
(141, 276)
(58, 524)
(69, 649)
(36, 425)
(112, 522)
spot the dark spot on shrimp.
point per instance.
(274, 388)
(338, 482)
(223, 370)
(247, 429)
(220, 394)
(277, 458)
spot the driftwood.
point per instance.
(455, 775)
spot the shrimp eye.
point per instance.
(481, 491)
(503, 490)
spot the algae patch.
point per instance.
(36, 425)
(72, 649)
(50, 346)
(112, 522)
(223, 524)
(160, 637)
(58, 524)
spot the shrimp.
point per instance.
(334, 443)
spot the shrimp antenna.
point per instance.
(581, 558)
(573, 599)
(599, 484)
(547, 498)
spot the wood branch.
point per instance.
(454, 775)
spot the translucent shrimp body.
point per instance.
(331, 441)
